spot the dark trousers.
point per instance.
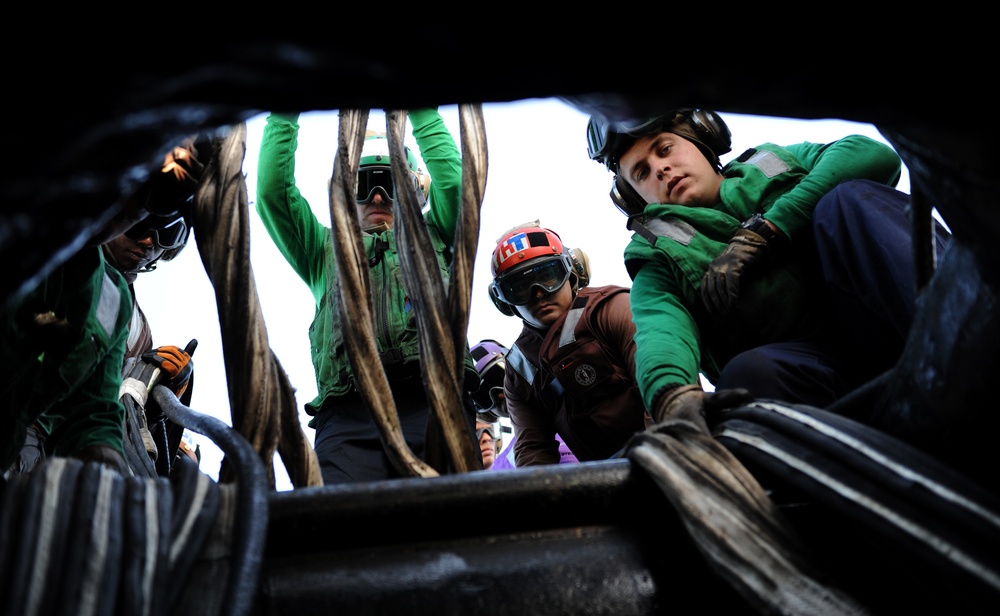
(347, 442)
(865, 261)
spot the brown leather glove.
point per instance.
(183, 163)
(108, 456)
(720, 286)
(169, 191)
(692, 403)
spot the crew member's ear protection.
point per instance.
(504, 308)
(581, 268)
(710, 133)
(625, 198)
(711, 130)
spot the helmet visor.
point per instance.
(516, 287)
(167, 233)
(372, 178)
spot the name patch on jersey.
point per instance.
(677, 230)
(108, 305)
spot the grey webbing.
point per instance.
(734, 524)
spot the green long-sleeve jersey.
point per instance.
(61, 357)
(675, 340)
(307, 245)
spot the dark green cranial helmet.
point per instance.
(607, 140)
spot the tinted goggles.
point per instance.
(599, 136)
(605, 139)
(479, 433)
(516, 287)
(372, 178)
(167, 233)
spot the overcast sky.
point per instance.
(538, 169)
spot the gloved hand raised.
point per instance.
(175, 363)
(720, 286)
(692, 403)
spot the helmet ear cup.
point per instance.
(501, 305)
(626, 198)
(712, 130)
(581, 266)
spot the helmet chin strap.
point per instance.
(130, 275)
(109, 256)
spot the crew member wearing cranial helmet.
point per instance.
(571, 370)
(159, 237)
(787, 273)
(166, 194)
(62, 347)
(489, 398)
(347, 442)
(492, 402)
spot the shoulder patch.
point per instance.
(768, 163)
(677, 230)
(516, 360)
(108, 305)
(568, 334)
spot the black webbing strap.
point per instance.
(80, 538)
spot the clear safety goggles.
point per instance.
(516, 287)
(167, 233)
